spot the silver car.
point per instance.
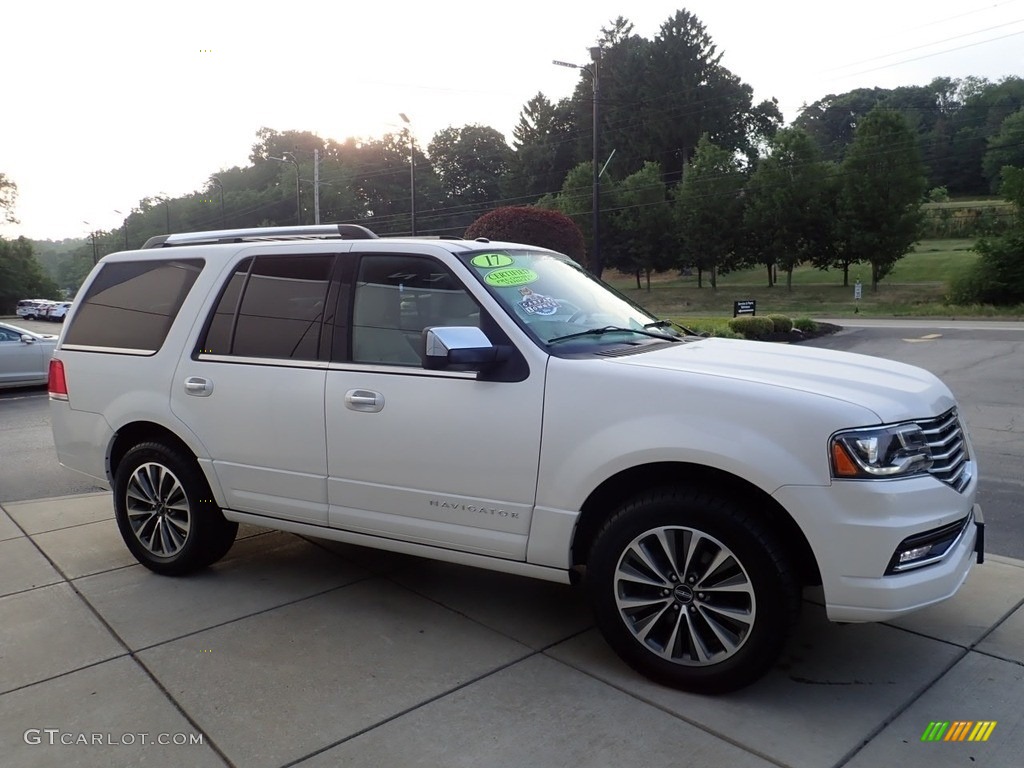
(24, 356)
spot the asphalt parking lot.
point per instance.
(301, 652)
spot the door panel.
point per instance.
(435, 457)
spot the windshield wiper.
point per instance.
(611, 329)
(669, 324)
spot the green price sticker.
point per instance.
(510, 276)
(491, 260)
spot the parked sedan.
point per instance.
(24, 356)
(57, 312)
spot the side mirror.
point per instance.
(26, 339)
(459, 347)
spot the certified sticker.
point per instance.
(510, 276)
(491, 260)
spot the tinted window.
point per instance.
(272, 306)
(131, 304)
(396, 297)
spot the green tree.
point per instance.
(21, 276)
(544, 150)
(638, 237)
(708, 211)
(470, 163)
(8, 197)
(786, 212)
(575, 200)
(883, 186)
(997, 277)
(659, 96)
(1005, 148)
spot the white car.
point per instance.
(494, 405)
(33, 309)
(58, 311)
(24, 356)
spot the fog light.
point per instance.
(926, 548)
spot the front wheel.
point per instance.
(166, 513)
(691, 590)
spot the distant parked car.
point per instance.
(57, 312)
(32, 309)
(24, 356)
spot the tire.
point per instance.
(166, 513)
(691, 590)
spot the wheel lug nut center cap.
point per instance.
(683, 594)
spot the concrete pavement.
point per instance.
(297, 652)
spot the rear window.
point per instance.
(131, 305)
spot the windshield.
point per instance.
(556, 300)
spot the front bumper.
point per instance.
(854, 529)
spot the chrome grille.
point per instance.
(946, 442)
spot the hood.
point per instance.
(893, 391)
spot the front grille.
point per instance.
(946, 442)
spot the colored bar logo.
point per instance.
(959, 730)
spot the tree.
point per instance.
(708, 210)
(544, 144)
(21, 276)
(786, 212)
(883, 186)
(8, 196)
(1005, 148)
(659, 96)
(576, 201)
(639, 237)
(997, 277)
(470, 162)
(531, 226)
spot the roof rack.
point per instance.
(317, 231)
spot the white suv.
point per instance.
(494, 405)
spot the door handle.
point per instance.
(197, 386)
(364, 400)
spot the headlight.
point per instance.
(897, 450)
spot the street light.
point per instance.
(594, 70)
(412, 172)
(217, 181)
(288, 157)
(125, 227)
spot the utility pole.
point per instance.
(316, 186)
(594, 70)
(595, 73)
(412, 173)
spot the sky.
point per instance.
(108, 102)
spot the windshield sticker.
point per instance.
(511, 276)
(491, 260)
(537, 304)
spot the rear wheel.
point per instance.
(166, 513)
(692, 590)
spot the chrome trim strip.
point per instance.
(401, 370)
(281, 362)
(110, 350)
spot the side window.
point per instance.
(396, 297)
(272, 306)
(131, 305)
(6, 335)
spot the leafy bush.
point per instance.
(782, 323)
(997, 277)
(752, 327)
(938, 195)
(531, 226)
(806, 325)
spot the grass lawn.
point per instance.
(916, 288)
